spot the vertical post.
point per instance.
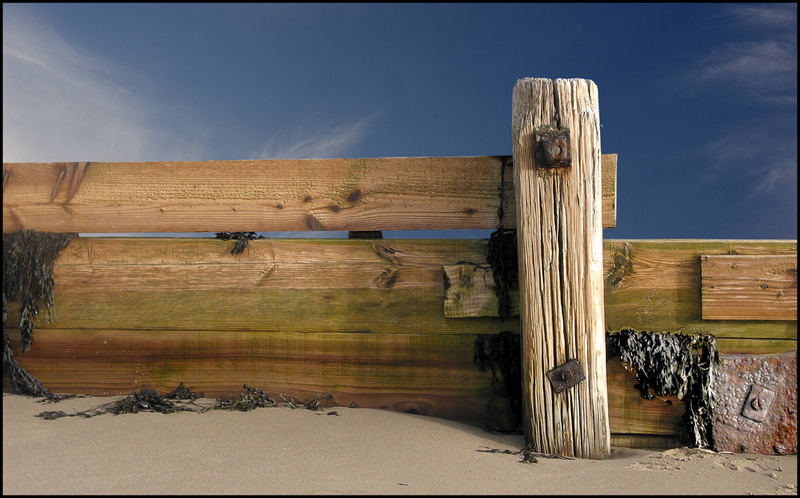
(557, 181)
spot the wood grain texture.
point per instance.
(749, 287)
(470, 292)
(93, 276)
(655, 285)
(429, 374)
(384, 286)
(559, 236)
(398, 193)
(138, 282)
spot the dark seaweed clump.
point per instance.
(673, 364)
(241, 238)
(28, 258)
(502, 248)
(502, 355)
(502, 258)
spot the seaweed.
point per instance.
(528, 454)
(502, 252)
(501, 353)
(28, 258)
(673, 364)
(664, 364)
(241, 238)
(182, 399)
(502, 257)
(249, 399)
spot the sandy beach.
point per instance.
(335, 451)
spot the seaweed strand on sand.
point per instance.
(182, 399)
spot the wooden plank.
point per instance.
(275, 285)
(430, 374)
(749, 287)
(470, 292)
(755, 346)
(660, 291)
(629, 413)
(560, 247)
(643, 441)
(656, 285)
(396, 193)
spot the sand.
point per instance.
(357, 451)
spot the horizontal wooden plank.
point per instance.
(727, 345)
(430, 374)
(434, 375)
(749, 287)
(655, 285)
(386, 286)
(470, 292)
(643, 441)
(629, 413)
(399, 193)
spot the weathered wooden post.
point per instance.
(556, 133)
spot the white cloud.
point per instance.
(765, 15)
(767, 161)
(764, 66)
(63, 102)
(319, 143)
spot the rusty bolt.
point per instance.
(551, 149)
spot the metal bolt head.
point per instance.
(552, 149)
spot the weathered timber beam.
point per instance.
(655, 285)
(749, 287)
(397, 193)
(560, 247)
(425, 373)
(649, 285)
(376, 286)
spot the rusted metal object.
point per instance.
(552, 149)
(756, 409)
(565, 376)
(757, 403)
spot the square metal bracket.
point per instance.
(552, 149)
(756, 404)
(565, 376)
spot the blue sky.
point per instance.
(698, 100)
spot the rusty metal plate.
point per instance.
(565, 376)
(552, 149)
(756, 409)
(757, 403)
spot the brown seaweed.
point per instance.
(241, 238)
(28, 258)
(673, 364)
(182, 399)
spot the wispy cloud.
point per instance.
(316, 143)
(765, 66)
(63, 102)
(758, 156)
(765, 15)
(764, 160)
